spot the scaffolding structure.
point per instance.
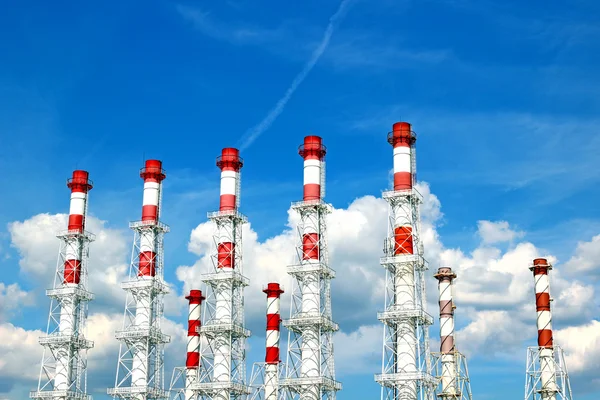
(406, 363)
(310, 368)
(63, 372)
(140, 367)
(222, 374)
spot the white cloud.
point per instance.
(582, 347)
(586, 258)
(358, 351)
(497, 232)
(12, 298)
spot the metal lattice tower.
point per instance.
(184, 378)
(140, 369)
(265, 376)
(546, 377)
(222, 374)
(63, 373)
(406, 365)
(450, 366)
(310, 369)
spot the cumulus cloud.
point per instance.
(12, 298)
(497, 232)
(586, 259)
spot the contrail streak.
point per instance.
(251, 135)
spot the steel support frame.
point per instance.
(75, 345)
(150, 340)
(462, 382)
(533, 382)
(419, 384)
(295, 385)
(214, 331)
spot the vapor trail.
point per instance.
(252, 134)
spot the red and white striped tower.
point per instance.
(192, 362)
(550, 381)
(140, 370)
(273, 292)
(223, 317)
(184, 378)
(63, 372)
(450, 365)
(405, 368)
(265, 375)
(310, 372)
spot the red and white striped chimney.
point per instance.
(402, 138)
(80, 185)
(540, 270)
(230, 164)
(192, 363)
(273, 292)
(153, 175)
(445, 277)
(313, 152)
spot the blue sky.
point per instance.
(502, 95)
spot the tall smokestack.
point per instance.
(273, 292)
(192, 363)
(140, 368)
(445, 277)
(311, 326)
(64, 361)
(223, 321)
(405, 319)
(540, 269)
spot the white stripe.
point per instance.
(147, 241)
(544, 320)
(77, 206)
(272, 338)
(273, 305)
(228, 182)
(445, 292)
(312, 172)
(193, 344)
(401, 159)
(194, 314)
(151, 193)
(446, 326)
(542, 283)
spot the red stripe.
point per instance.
(75, 222)
(227, 202)
(147, 263)
(402, 180)
(273, 321)
(545, 338)
(192, 325)
(193, 360)
(312, 191)
(272, 356)
(149, 213)
(72, 272)
(310, 246)
(403, 240)
(542, 301)
(225, 255)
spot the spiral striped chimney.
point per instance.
(445, 277)
(540, 270)
(192, 363)
(273, 292)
